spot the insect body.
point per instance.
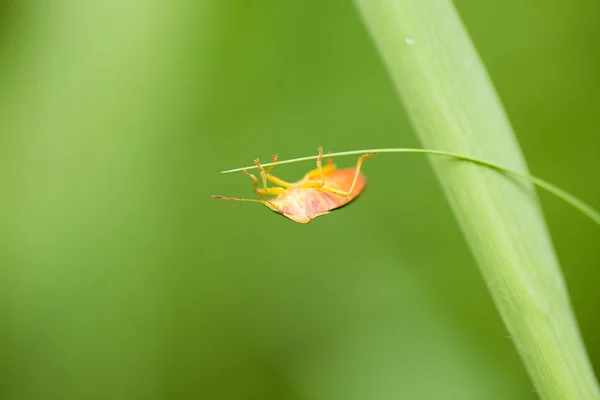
(320, 191)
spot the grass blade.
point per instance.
(454, 107)
(577, 203)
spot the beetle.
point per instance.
(319, 192)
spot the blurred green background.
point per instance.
(120, 278)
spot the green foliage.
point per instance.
(453, 106)
(120, 278)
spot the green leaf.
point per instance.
(454, 107)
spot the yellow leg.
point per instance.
(274, 163)
(358, 165)
(326, 188)
(256, 190)
(265, 176)
(255, 181)
(278, 181)
(262, 192)
(330, 162)
(275, 191)
(320, 166)
(320, 171)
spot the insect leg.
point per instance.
(215, 196)
(320, 166)
(358, 165)
(320, 171)
(255, 181)
(262, 192)
(259, 192)
(278, 181)
(272, 191)
(341, 192)
(265, 176)
(330, 165)
(274, 163)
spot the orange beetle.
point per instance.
(320, 191)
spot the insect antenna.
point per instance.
(215, 196)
